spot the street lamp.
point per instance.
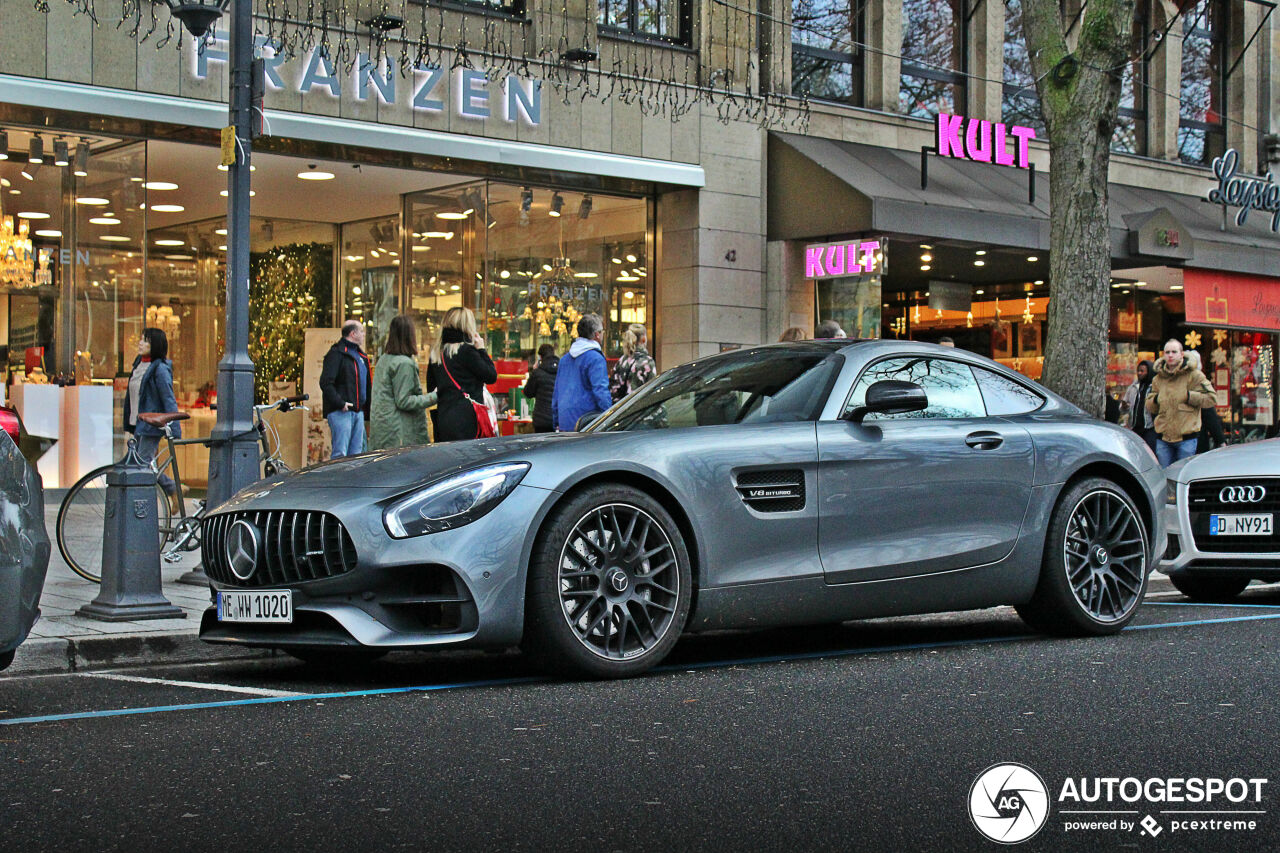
(197, 15)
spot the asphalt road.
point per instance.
(863, 736)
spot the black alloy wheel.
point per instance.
(1201, 588)
(1095, 567)
(609, 586)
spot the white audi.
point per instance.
(1221, 519)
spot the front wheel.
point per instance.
(1208, 588)
(82, 519)
(609, 586)
(1094, 572)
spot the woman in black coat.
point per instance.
(458, 357)
(541, 385)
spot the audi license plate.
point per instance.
(1257, 524)
(273, 605)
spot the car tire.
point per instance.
(609, 585)
(1096, 561)
(336, 657)
(1208, 588)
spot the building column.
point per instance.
(1165, 72)
(986, 61)
(1242, 86)
(882, 69)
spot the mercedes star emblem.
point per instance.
(241, 549)
(1242, 494)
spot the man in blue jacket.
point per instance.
(582, 380)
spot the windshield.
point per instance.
(756, 386)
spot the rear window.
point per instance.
(1005, 396)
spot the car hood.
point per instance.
(393, 471)
(1255, 459)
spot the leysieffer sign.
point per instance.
(1245, 192)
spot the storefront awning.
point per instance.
(458, 147)
(822, 189)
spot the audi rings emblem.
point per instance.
(1242, 494)
(241, 549)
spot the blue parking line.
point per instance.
(504, 682)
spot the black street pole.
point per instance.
(233, 460)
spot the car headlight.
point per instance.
(453, 502)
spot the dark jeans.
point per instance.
(1149, 436)
(148, 446)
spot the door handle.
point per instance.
(984, 440)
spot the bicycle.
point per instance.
(84, 507)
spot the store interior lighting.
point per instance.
(29, 171)
(61, 157)
(584, 209)
(557, 204)
(82, 160)
(35, 153)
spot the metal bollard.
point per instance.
(131, 548)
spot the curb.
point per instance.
(62, 655)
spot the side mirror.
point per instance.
(587, 420)
(889, 397)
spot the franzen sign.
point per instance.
(1245, 192)
(519, 99)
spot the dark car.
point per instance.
(24, 544)
(789, 484)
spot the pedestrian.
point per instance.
(1212, 434)
(1178, 393)
(794, 333)
(458, 372)
(151, 392)
(344, 385)
(829, 329)
(397, 406)
(1135, 403)
(636, 366)
(946, 341)
(582, 380)
(541, 385)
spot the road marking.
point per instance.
(507, 682)
(199, 685)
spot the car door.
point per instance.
(929, 491)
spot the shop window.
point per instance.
(950, 387)
(1020, 103)
(1203, 87)
(658, 20)
(934, 45)
(369, 264)
(826, 51)
(513, 8)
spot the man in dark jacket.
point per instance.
(541, 385)
(582, 380)
(344, 384)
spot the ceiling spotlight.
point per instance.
(82, 160)
(980, 252)
(557, 204)
(60, 155)
(526, 199)
(584, 209)
(163, 186)
(29, 171)
(631, 259)
(33, 214)
(35, 154)
(167, 208)
(48, 232)
(92, 201)
(4, 145)
(979, 263)
(312, 174)
(1031, 259)
(925, 268)
(979, 292)
(926, 257)
(1039, 281)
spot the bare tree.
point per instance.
(1078, 51)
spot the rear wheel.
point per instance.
(1208, 588)
(82, 519)
(609, 585)
(1094, 572)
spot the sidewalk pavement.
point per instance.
(61, 641)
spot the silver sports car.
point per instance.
(788, 484)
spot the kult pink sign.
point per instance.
(829, 260)
(982, 141)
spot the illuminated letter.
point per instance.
(1024, 135)
(947, 138)
(978, 145)
(813, 262)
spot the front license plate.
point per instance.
(1257, 524)
(272, 605)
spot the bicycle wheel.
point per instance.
(82, 518)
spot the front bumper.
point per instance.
(1182, 556)
(460, 587)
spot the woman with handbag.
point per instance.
(459, 370)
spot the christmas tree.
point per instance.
(290, 290)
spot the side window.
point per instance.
(1004, 396)
(949, 385)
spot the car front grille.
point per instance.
(294, 546)
(1204, 500)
